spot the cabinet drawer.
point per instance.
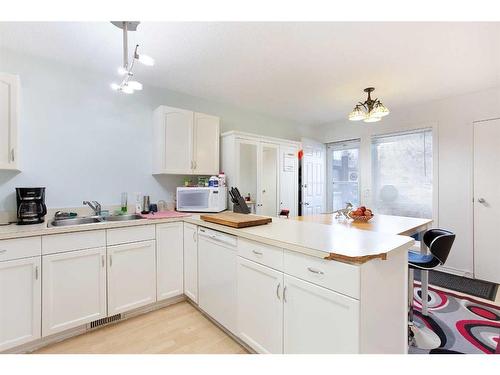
(58, 243)
(130, 234)
(340, 277)
(260, 253)
(18, 248)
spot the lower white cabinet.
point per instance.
(131, 276)
(169, 260)
(318, 320)
(191, 262)
(260, 307)
(74, 289)
(20, 301)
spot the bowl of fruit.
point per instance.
(361, 214)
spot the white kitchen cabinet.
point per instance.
(191, 261)
(9, 113)
(264, 167)
(206, 144)
(318, 320)
(74, 289)
(260, 307)
(20, 301)
(169, 260)
(131, 276)
(185, 142)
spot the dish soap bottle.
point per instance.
(124, 203)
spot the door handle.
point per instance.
(306, 204)
(284, 294)
(314, 270)
(110, 260)
(278, 291)
(12, 154)
(36, 273)
(256, 252)
(194, 236)
(482, 200)
(102, 260)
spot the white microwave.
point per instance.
(201, 199)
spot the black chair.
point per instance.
(439, 242)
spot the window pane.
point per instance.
(402, 174)
(345, 175)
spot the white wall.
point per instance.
(83, 141)
(452, 119)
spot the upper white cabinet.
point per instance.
(20, 301)
(191, 261)
(9, 112)
(74, 289)
(185, 142)
(131, 276)
(169, 253)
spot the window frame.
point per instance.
(335, 146)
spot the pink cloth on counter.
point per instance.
(164, 215)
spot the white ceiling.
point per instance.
(307, 72)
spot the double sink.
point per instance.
(92, 220)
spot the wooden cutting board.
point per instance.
(235, 220)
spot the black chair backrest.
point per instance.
(439, 242)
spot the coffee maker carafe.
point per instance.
(31, 207)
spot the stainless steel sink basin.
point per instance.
(122, 217)
(76, 221)
(93, 220)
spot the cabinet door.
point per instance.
(131, 276)
(206, 144)
(267, 194)
(260, 307)
(169, 262)
(174, 141)
(191, 261)
(74, 289)
(288, 180)
(9, 91)
(318, 320)
(20, 302)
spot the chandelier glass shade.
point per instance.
(129, 85)
(371, 110)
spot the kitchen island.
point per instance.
(292, 287)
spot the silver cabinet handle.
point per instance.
(256, 252)
(278, 291)
(284, 294)
(36, 272)
(12, 154)
(110, 260)
(102, 260)
(481, 200)
(194, 236)
(3, 251)
(313, 270)
(195, 164)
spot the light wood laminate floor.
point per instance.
(175, 329)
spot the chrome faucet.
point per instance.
(95, 206)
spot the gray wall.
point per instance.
(83, 141)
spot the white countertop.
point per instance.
(320, 240)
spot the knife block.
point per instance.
(241, 207)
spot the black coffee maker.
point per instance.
(31, 207)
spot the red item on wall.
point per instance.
(301, 154)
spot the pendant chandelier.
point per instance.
(128, 85)
(372, 110)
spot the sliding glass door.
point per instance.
(343, 165)
(402, 173)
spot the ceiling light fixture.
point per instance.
(371, 110)
(127, 85)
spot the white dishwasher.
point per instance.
(217, 255)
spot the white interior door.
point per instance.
(313, 177)
(269, 179)
(206, 144)
(486, 200)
